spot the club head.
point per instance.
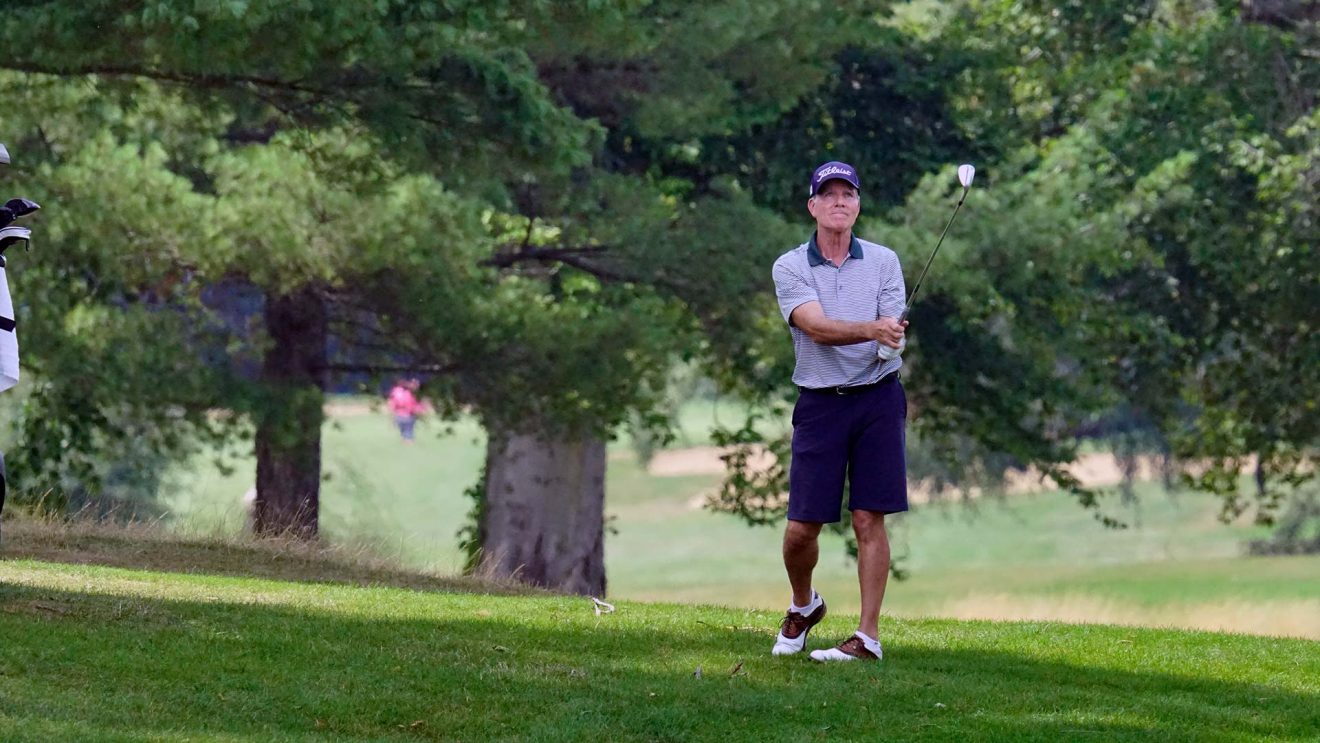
(966, 173)
(4, 155)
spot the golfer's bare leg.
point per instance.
(801, 550)
(872, 566)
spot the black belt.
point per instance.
(854, 389)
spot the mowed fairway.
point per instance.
(108, 654)
(1028, 556)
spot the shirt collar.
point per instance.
(814, 258)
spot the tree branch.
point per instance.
(1281, 13)
(559, 253)
(391, 368)
(570, 256)
(194, 79)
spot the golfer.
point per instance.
(840, 296)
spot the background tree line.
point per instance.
(541, 207)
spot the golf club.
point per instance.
(966, 173)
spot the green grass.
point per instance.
(1027, 556)
(109, 654)
(405, 501)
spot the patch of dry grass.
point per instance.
(1276, 618)
(153, 546)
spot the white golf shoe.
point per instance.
(857, 647)
(795, 627)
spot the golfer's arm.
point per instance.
(810, 318)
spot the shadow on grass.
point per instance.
(152, 547)
(88, 666)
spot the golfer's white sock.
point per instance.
(871, 643)
(810, 607)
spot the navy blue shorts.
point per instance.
(858, 435)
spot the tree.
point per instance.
(1203, 279)
(425, 80)
(94, 290)
(1136, 240)
(416, 73)
(637, 249)
(129, 283)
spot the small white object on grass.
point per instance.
(601, 607)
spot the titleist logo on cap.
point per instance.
(832, 170)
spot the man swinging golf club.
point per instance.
(843, 299)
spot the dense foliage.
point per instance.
(1138, 255)
(542, 206)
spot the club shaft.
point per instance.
(907, 307)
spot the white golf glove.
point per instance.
(887, 353)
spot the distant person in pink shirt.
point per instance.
(405, 406)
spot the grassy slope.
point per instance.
(108, 654)
(1032, 556)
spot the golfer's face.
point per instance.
(835, 206)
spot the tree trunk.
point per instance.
(543, 521)
(288, 442)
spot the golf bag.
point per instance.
(8, 357)
(10, 235)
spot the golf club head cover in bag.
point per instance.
(12, 234)
(15, 208)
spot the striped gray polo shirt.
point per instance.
(868, 286)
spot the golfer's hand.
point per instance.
(890, 331)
